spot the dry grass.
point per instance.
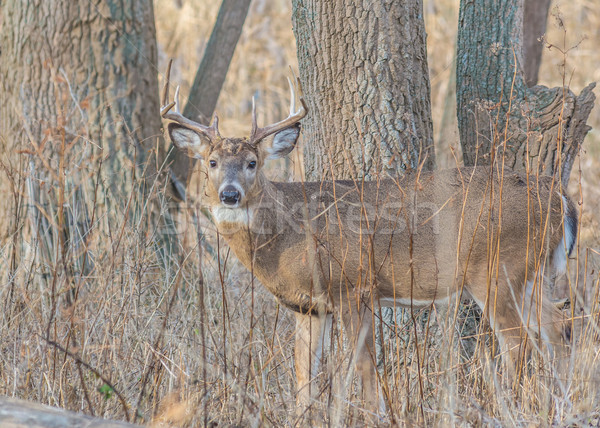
(177, 350)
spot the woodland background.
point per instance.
(193, 340)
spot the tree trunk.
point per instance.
(536, 129)
(209, 81)
(534, 27)
(80, 111)
(363, 69)
(85, 67)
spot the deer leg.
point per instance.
(359, 328)
(505, 320)
(311, 336)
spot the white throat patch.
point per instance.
(239, 216)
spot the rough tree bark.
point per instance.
(79, 95)
(537, 128)
(363, 68)
(85, 67)
(534, 27)
(209, 81)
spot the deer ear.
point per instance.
(283, 142)
(196, 144)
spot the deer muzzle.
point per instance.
(230, 196)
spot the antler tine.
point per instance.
(294, 117)
(167, 111)
(176, 100)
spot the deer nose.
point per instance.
(230, 195)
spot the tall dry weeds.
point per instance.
(203, 343)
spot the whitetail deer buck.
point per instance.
(348, 248)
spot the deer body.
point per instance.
(362, 237)
(346, 248)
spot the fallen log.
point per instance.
(16, 413)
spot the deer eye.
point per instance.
(252, 165)
(213, 163)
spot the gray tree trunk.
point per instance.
(87, 67)
(363, 68)
(499, 117)
(79, 113)
(534, 27)
(209, 81)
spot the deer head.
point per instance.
(233, 164)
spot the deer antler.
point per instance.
(167, 112)
(294, 117)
